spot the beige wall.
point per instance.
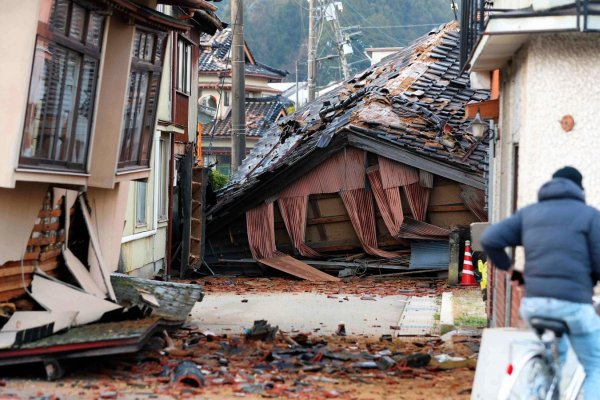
(18, 20)
(112, 93)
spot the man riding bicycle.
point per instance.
(561, 238)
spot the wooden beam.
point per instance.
(447, 208)
(314, 206)
(489, 109)
(327, 220)
(453, 267)
(388, 150)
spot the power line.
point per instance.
(399, 26)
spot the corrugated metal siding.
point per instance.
(343, 171)
(425, 255)
(418, 200)
(395, 174)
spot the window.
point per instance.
(226, 99)
(141, 191)
(142, 99)
(163, 184)
(63, 87)
(184, 66)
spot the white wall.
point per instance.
(562, 78)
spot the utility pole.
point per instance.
(238, 85)
(312, 49)
(340, 38)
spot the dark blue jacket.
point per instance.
(561, 237)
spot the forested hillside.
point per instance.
(277, 30)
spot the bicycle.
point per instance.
(536, 375)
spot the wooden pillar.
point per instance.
(454, 265)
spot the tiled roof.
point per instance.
(412, 101)
(214, 56)
(261, 113)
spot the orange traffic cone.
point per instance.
(468, 276)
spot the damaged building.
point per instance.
(383, 172)
(78, 128)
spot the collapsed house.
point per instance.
(80, 84)
(383, 169)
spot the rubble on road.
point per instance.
(306, 369)
(368, 287)
(194, 362)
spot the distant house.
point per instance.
(541, 59)
(383, 166)
(261, 114)
(214, 84)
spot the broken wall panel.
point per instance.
(20, 208)
(57, 296)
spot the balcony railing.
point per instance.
(476, 14)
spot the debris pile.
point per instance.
(62, 305)
(192, 362)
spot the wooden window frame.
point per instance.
(153, 68)
(73, 48)
(184, 66)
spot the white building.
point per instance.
(543, 64)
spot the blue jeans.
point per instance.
(584, 334)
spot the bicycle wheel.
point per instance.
(534, 381)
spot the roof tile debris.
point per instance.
(413, 100)
(215, 57)
(261, 113)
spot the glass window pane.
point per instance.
(142, 91)
(34, 121)
(146, 140)
(137, 44)
(188, 69)
(179, 65)
(85, 111)
(55, 82)
(160, 44)
(60, 11)
(67, 108)
(149, 48)
(163, 193)
(140, 203)
(129, 122)
(77, 22)
(94, 31)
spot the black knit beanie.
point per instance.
(569, 173)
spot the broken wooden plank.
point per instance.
(96, 247)
(54, 295)
(11, 294)
(12, 271)
(297, 268)
(81, 274)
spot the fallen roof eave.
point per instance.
(396, 153)
(273, 184)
